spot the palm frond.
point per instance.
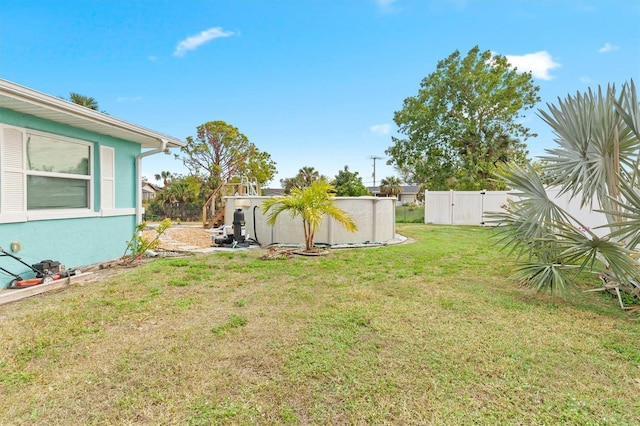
(597, 254)
(594, 145)
(311, 203)
(628, 228)
(629, 108)
(527, 223)
(597, 158)
(275, 205)
(552, 277)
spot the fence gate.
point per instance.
(461, 207)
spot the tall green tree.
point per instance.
(597, 159)
(261, 168)
(464, 122)
(349, 184)
(311, 203)
(219, 151)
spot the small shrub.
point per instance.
(138, 245)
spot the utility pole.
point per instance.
(374, 158)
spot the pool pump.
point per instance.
(233, 236)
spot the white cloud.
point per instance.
(129, 99)
(608, 47)
(387, 6)
(539, 64)
(585, 79)
(193, 42)
(380, 129)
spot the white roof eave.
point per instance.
(27, 101)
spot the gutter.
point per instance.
(139, 157)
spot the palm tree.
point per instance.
(311, 203)
(175, 198)
(597, 159)
(390, 186)
(85, 101)
(305, 177)
(308, 175)
(165, 177)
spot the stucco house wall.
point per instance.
(75, 236)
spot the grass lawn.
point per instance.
(429, 332)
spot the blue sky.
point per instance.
(311, 82)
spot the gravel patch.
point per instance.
(182, 238)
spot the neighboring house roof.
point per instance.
(28, 101)
(150, 187)
(270, 192)
(410, 189)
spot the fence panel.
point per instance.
(467, 208)
(437, 207)
(493, 202)
(470, 207)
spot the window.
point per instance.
(58, 173)
(44, 176)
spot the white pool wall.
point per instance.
(375, 218)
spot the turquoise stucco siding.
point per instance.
(125, 172)
(72, 242)
(75, 242)
(125, 154)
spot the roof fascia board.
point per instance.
(24, 94)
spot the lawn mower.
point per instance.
(45, 271)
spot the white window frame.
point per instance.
(27, 215)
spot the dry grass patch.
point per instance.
(427, 333)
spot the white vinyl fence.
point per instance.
(470, 207)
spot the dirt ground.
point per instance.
(180, 237)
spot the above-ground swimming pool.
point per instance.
(375, 218)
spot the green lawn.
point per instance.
(428, 332)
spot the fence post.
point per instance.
(482, 194)
(426, 198)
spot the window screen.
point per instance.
(58, 173)
(56, 193)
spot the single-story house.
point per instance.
(69, 180)
(149, 190)
(408, 195)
